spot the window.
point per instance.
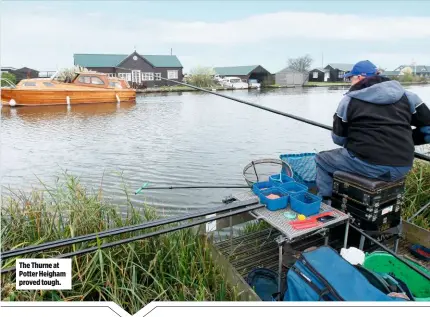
(128, 77)
(84, 79)
(48, 84)
(111, 75)
(96, 81)
(157, 76)
(315, 75)
(341, 74)
(147, 76)
(114, 84)
(30, 84)
(172, 74)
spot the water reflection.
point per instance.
(41, 113)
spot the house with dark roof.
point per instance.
(391, 74)
(338, 70)
(245, 73)
(318, 75)
(140, 71)
(331, 73)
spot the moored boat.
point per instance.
(85, 88)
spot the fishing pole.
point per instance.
(147, 225)
(419, 211)
(391, 252)
(191, 187)
(311, 122)
(148, 235)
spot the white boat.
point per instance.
(234, 82)
(253, 83)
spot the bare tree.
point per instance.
(301, 64)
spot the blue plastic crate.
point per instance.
(258, 187)
(274, 204)
(293, 188)
(305, 203)
(280, 179)
(303, 166)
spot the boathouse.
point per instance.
(246, 73)
(290, 77)
(141, 71)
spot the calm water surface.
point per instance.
(165, 139)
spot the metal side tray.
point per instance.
(277, 219)
(288, 234)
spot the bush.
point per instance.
(202, 77)
(8, 76)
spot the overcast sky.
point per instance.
(44, 35)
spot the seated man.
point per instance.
(373, 124)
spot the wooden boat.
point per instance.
(85, 88)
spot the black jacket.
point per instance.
(375, 121)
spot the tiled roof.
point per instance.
(113, 60)
(234, 70)
(341, 66)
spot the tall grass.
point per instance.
(418, 193)
(176, 266)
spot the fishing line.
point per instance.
(311, 122)
(422, 273)
(192, 187)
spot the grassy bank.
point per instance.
(177, 89)
(175, 267)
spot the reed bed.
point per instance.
(418, 193)
(170, 267)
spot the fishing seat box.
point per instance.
(374, 205)
(366, 191)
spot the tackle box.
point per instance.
(376, 227)
(369, 213)
(366, 191)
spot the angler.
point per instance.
(373, 124)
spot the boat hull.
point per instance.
(27, 97)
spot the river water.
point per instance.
(188, 138)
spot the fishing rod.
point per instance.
(311, 122)
(191, 187)
(391, 252)
(148, 235)
(419, 211)
(112, 232)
